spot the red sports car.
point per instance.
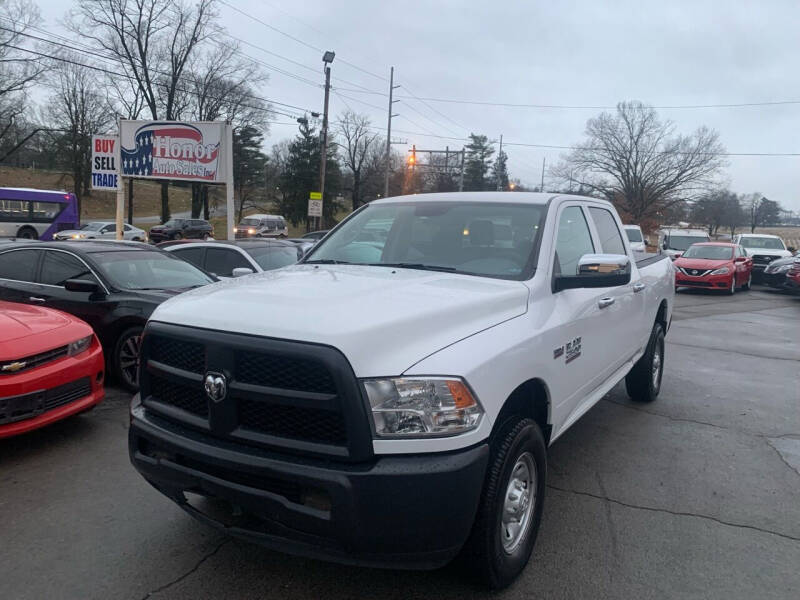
(714, 265)
(51, 367)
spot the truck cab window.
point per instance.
(573, 241)
(610, 238)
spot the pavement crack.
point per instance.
(674, 512)
(180, 578)
(677, 419)
(780, 455)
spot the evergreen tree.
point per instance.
(477, 164)
(500, 172)
(248, 168)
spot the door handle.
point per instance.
(638, 287)
(36, 299)
(608, 301)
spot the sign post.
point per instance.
(229, 179)
(315, 205)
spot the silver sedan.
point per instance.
(101, 230)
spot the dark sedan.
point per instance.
(179, 229)
(113, 286)
(774, 274)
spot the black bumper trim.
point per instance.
(404, 511)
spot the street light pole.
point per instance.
(327, 58)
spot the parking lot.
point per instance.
(695, 495)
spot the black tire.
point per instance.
(643, 382)
(489, 551)
(749, 283)
(732, 289)
(177, 236)
(27, 233)
(206, 236)
(126, 350)
(136, 239)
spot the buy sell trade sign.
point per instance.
(105, 156)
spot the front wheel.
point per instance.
(732, 289)
(643, 382)
(125, 361)
(511, 503)
(177, 236)
(749, 283)
(206, 236)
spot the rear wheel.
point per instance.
(510, 508)
(27, 233)
(125, 361)
(643, 383)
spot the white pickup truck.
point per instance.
(389, 400)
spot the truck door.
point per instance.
(624, 317)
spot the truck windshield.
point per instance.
(762, 242)
(634, 235)
(682, 242)
(491, 239)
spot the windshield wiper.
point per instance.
(419, 266)
(327, 261)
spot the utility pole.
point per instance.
(389, 133)
(541, 188)
(327, 58)
(461, 178)
(499, 154)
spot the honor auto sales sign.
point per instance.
(173, 150)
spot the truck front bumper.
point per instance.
(412, 511)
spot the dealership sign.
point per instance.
(173, 150)
(105, 155)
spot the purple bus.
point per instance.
(36, 214)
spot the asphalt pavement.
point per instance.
(694, 496)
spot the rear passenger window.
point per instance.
(610, 238)
(19, 265)
(573, 241)
(222, 262)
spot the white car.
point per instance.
(673, 242)
(636, 239)
(763, 249)
(395, 397)
(101, 230)
(226, 259)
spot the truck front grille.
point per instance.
(288, 395)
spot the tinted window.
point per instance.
(222, 261)
(682, 242)
(45, 212)
(192, 255)
(109, 228)
(573, 241)
(18, 264)
(14, 210)
(610, 239)
(57, 267)
(127, 227)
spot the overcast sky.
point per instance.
(563, 53)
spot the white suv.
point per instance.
(763, 249)
(262, 226)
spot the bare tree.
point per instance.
(359, 139)
(19, 70)
(153, 41)
(636, 160)
(75, 111)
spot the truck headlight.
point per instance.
(79, 346)
(422, 406)
(721, 271)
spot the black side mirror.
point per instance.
(792, 249)
(596, 271)
(81, 285)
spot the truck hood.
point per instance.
(701, 263)
(384, 320)
(768, 252)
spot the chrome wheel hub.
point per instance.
(518, 502)
(656, 368)
(129, 359)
